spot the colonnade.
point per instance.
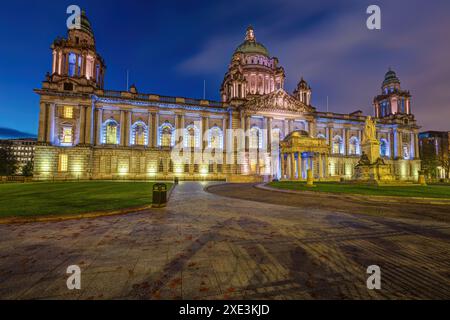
(294, 165)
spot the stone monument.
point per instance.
(371, 167)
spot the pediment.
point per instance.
(278, 100)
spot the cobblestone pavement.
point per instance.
(205, 246)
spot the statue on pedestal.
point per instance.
(370, 131)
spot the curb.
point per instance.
(433, 201)
(90, 215)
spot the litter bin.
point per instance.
(159, 195)
(176, 181)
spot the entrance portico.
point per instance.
(300, 153)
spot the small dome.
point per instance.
(250, 45)
(299, 133)
(86, 24)
(390, 77)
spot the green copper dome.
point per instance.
(85, 24)
(251, 46)
(390, 77)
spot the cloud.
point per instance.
(342, 59)
(7, 133)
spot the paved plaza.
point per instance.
(235, 242)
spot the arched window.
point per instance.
(72, 64)
(338, 145)
(110, 132)
(255, 138)
(67, 136)
(215, 138)
(405, 152)
(384, 148)
(139, 134)
(276, 135)
(353, 147)
(191, 137)
(321, 136)
(166, 135)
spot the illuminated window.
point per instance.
(353, 147)
(321, 136)
(338, 145)
(68, 112)
(110, 132)
(139, 134)
(276, 135)
(72, 64)
(63, 162)
(255, 138)
(215, 139)
(384, 148)
(192, 137)
(405, 152)
(67, 137)
(166, 136)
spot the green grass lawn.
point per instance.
(35, 199)
(433, 191)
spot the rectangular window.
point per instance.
(68, 112)
(67, 135)
(63, 162)
(72, 64)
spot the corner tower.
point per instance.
(76, 63)
(251, 72)
(393, 100)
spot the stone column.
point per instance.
(155, 130)
(269, 134)
(82, 125)
(344, 140)
(326, 166)
(43, 123)
(224, 132)
(99, 126)
(392, 150)
(416, 146)
(286, 128)
(299, 166)
(129, 115)
(292, 156)
(330, 136)
(283, 169)
(150, 130)
(312, 129)
(89, 126)
(320, 166)
(203, 137)
(51, 124)
(122, 128)
(398, 140)
(247, 133)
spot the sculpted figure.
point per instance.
(370, 131)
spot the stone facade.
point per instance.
(87, 132)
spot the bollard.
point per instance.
(310, 179)
(422, 180)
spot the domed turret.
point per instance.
(252, 71)
(76, 58)
(303, 92)
(393, 100)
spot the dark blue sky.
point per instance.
(170, 47)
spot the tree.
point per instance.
(8, 162)
(27, 170)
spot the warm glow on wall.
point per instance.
(123, 168)
(204, 169)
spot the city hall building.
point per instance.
(89, 132)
